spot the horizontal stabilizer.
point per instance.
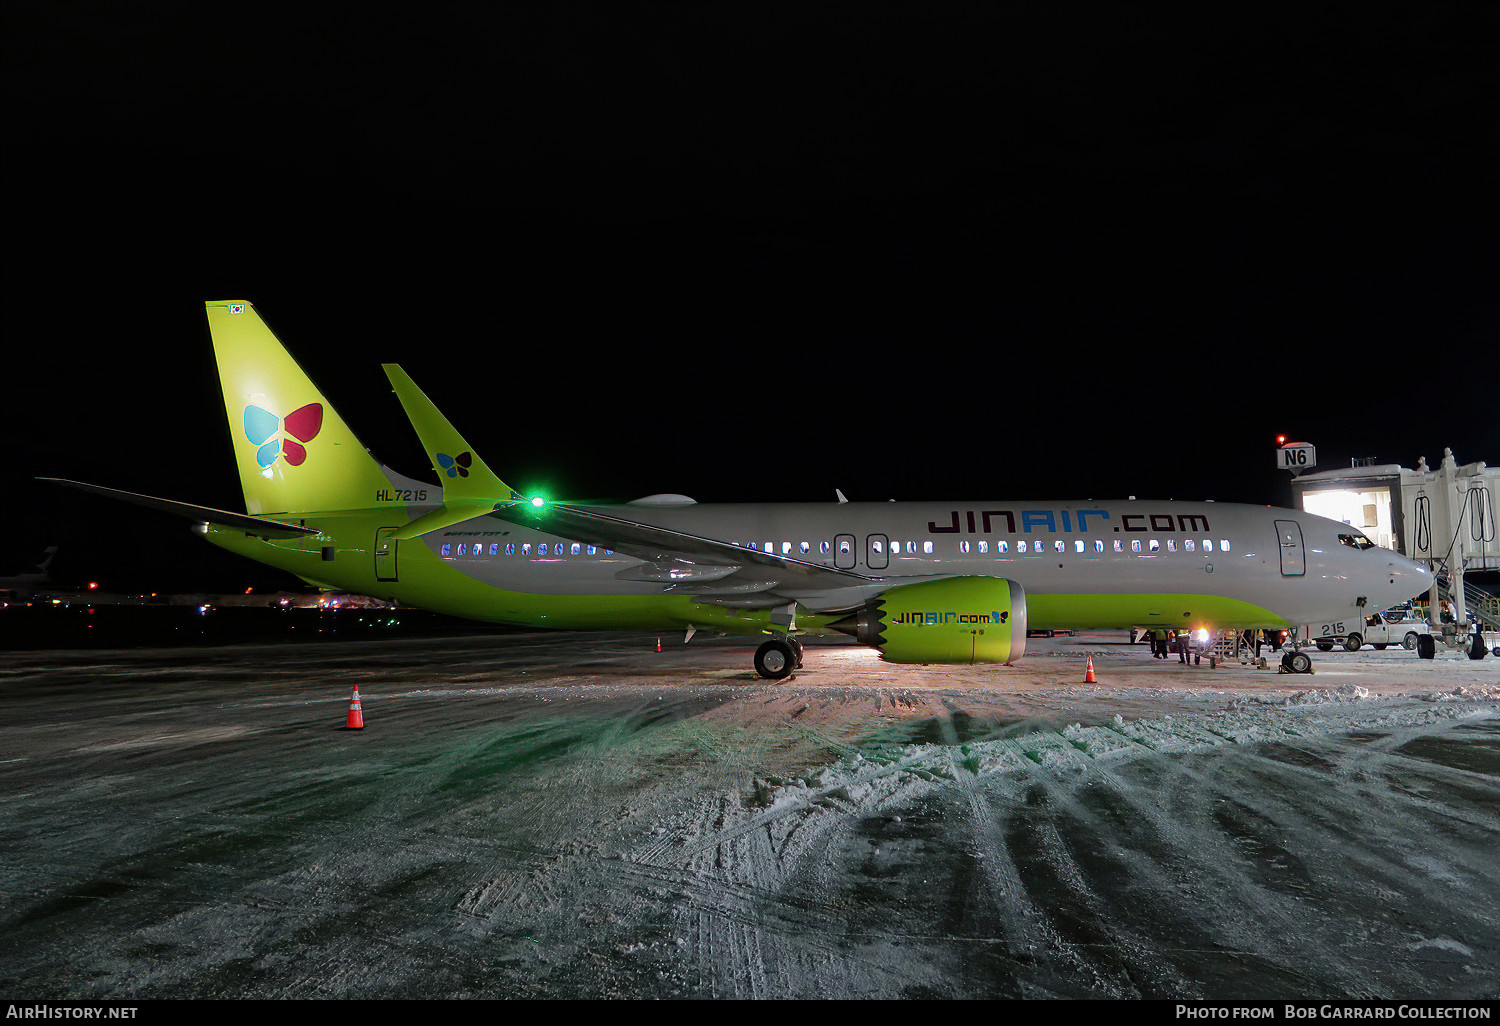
(254, 525)
(444, 516)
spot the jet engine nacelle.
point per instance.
(957, 620)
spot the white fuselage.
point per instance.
(1300, 567)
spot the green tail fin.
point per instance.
(463, 474)
(294, 452)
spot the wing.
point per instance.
(710, 570)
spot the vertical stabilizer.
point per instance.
(295, 454)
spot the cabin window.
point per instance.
(1119, 545)
(1187, 543)
(823, 547)
(447, 548)
(541, 550)
(1208, 545)
(927, 546)
(771, 547)
(1002, 546)
(1060, 545)
(526, 548)
(1155, 545)
(786, 548)
(804, 548)
(1098, 544)
(963, 546)
(494, 548)
(1171, 544)
(510, 548)
(592, 551)
(984, 548)
(1223, 544)
(1078, 545)
(463, 549)
(1021, 546)
(1135, 545)
(911, 548)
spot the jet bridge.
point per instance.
(1443, 516)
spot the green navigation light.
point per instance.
(538, 501)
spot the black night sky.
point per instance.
(909, 251)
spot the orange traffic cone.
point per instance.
(658, 644)
(1088, 678)
(356, 720)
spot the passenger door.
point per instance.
(385, 554)
(1293, 556)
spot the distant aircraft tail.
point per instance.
(47, 554)
(294, 452)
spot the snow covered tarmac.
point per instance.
(578, 816)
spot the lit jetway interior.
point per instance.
(1369, 510)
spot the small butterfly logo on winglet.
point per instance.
(456, 466)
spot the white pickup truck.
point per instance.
(1395, 627)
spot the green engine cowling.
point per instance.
(956, 620)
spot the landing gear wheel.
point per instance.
(1325, 646)
(775, 660)
(1380, 646)
(1426, 647)
(796, 650)
(1476, 648)
(1295, 662)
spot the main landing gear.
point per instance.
(777, 658)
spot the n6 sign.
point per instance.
(1297, 456)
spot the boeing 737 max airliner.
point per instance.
(923, 582)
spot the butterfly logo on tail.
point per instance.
(282, 437)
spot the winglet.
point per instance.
(463, 475)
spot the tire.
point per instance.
(1380, 646)
(796, 650)
(1352, 643)
(1426, 647)
(1325, 646)
(1410, 641)
(1299, 662)
(775, 660)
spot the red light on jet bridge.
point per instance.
(93, 586)
(1281, 439)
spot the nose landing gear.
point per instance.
(1295, 662)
